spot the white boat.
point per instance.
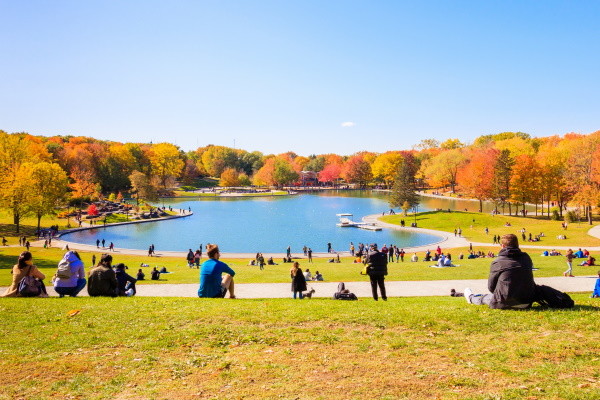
(346, 222)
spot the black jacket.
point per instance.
(511, 280)
(377, 263)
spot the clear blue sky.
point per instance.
(280, 76)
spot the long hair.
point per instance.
(25, 256)
(295, 268)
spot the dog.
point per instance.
(309, 293)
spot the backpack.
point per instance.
(550, 297)
(64, 269)
(343, 294)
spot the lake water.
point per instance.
(268, 224)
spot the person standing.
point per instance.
(352, 249)
(289, 252)
(298, 280)
(74, 280)
(329, 247)
(570, 256)
(309, 255)
(376, 262)
(510, 281)
(212, 283)
(190, 258)
(402, 253)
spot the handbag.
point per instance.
(30, 286)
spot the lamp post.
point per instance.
(416, 208)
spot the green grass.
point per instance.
(473, 227)
(346, 271)
(406, 348)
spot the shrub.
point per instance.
(571, 216)
(555, 215)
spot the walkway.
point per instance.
(362, 289)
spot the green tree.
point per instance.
(143, 187)
(284, 173)
(404, 190)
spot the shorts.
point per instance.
(222, 294)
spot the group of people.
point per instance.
(193, 258)
(70, 278)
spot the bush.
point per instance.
(555, 215)
(570, 217)
(188, 188)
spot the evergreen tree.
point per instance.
(404, 190)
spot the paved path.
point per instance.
(362, 289)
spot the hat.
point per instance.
(120, 266)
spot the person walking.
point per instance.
(570, 256)
(298, 280)
(376, 262)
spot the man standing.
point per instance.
(212, 285)
(511, 279)
(376, 262)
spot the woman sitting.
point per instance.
(23, 268)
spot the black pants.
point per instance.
(378, 280)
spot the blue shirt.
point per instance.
(210, 277)
(597, 289)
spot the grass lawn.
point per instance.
(473, 227)
(346, 271)
(406, 348)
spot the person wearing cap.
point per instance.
(126, 282)
(376, 262)
(212, 282)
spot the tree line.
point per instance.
(40, 173)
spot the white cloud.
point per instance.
(348, 124)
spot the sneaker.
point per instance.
(468, 294)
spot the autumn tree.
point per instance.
(216, 158)
(525, 180)
(385, 167)
(476, 178)
(229, 178)
(442, 169)
(284, 173)
(142, 186)
(330, 174)
(358, 171)
(166, 162)
(48, 189)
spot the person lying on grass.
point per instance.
(212, 284)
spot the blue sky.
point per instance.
(303, 76)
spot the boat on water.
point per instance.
(346, 222)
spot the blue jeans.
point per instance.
(300, 293)
(71, 291)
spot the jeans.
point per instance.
(300, 293)
(378, 280)
(71, 291)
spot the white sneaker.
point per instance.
(468, 294)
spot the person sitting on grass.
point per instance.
(318, 276)
(102, 280)
(414, 258)
(510, 281)
(154, 275)
(126, 282)
(596, 292)
(140, 275)
(73, 281)
(212, 283)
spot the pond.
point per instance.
(268, 224)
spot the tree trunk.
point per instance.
(39, 217)
(589, 213)
(16, 221)
(480, 205)
(509, 209)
